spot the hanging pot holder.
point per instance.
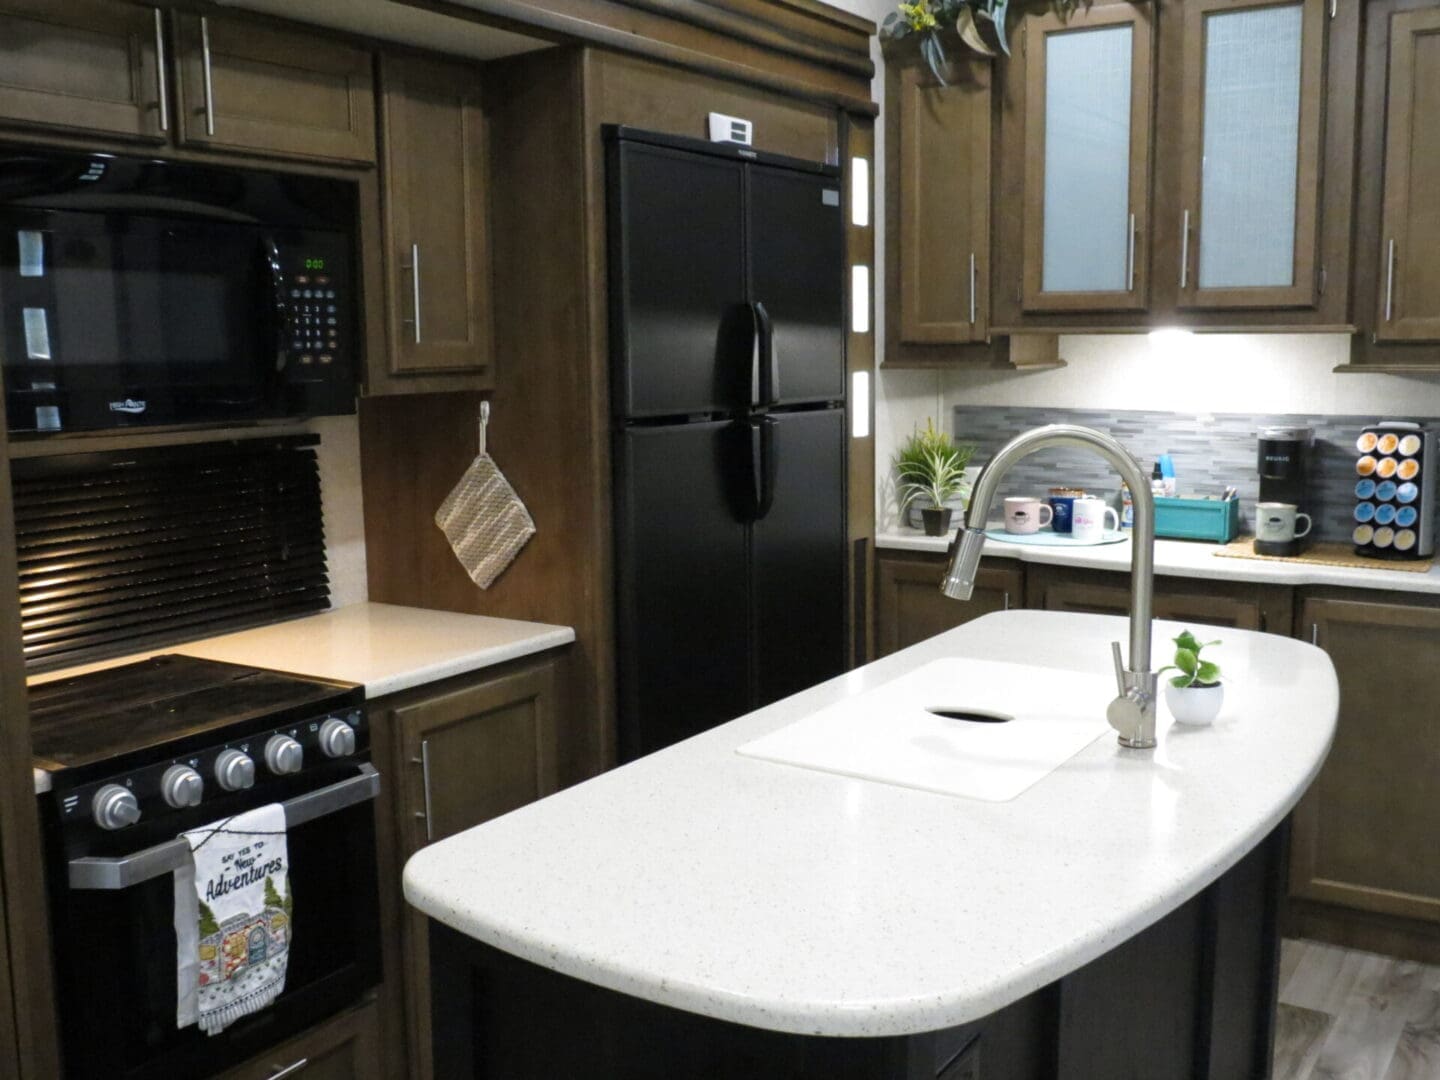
(483, 518)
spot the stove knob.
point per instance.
(181, 787)
(234, 770)
(115, 807)
(283, 755)
(337, 738)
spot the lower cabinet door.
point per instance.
(343, 1048)
(1364, 834)
(1187, 600)
(910, 608)
(471, 750)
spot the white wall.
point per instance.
(338, 456)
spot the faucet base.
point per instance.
(1137, 744)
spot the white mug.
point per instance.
(1275, 522)
(1088, 521)
(1025, 515)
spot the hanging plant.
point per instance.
(929, 18)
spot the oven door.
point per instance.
(115, 943)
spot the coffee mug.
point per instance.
(1087, 523)
(1062, 505)
(1025, 515)
(1275, 522)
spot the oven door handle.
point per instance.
(152, 862)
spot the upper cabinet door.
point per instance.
(1409, 295)
(1088, 97)
(253, 88)
(437, 220)
(1253, 97)
(84, 65)
(945, 137)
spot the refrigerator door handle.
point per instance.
(770, 371)
(755, 349)
(766, 464)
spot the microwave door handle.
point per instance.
(112, 874)
(270, 255)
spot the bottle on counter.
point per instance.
(1127, 507)
(1157, 480)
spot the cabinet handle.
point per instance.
(1390, 282)
(424, 762)
(414, 267)
(288, 1070)
(1006, 601)
(1130, 259)
(972, 288)
(209, 80)
(1315, 634)
(1185, 249)
(160, 71)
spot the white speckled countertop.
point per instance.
(810, 902)
(1181, 558)
(384, 647)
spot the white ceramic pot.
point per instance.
(1194, 704)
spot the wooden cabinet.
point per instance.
(1189, 600)
(466, 750)
(1408, 300)
(1250, 140)
(1086, 143)
(343, 1048)
(436, 195)
(909, 606)
(248, 87)
(84, 66)
(1365, 832)
(944, 242)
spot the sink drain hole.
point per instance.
(974, 716)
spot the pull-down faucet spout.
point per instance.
(1132, 713)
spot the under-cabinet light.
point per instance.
(860, 191)
(860, 405)
(1171, 337)
(860, 299)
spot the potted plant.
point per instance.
(1195, 695)
(931, 467)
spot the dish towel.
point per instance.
(232, 919)
(483, 517)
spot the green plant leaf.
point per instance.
(1180, 682)
(1187, 640)
(1207, 672)
(1186, 661)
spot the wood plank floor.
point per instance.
(1348, 1015)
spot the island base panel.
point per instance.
(1192, 997)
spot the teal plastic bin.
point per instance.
(1216, 520)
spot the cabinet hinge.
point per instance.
(1332, 8)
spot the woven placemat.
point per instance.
(1325, 554)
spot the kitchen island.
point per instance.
(701, 912)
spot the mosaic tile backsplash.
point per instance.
(1210, 451)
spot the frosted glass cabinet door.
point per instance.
(1251, 128)
(1087, 159)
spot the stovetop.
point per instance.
(164, 706)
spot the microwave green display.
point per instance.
(314, 264)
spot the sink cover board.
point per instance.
(891, 735)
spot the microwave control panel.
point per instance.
(317, 332)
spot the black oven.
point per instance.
(135, 291)
(112, 885)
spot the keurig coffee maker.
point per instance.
(1283, 463)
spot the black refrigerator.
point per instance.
(727, 345)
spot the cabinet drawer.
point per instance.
(84, 65)
(910, 608)
(253, 88)
(343, 1048)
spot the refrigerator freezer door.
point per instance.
(798, 556)
(682, 612)
(797, 271)
(681, 332)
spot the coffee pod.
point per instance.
(1364, 489)
(1366, 442)
(1385, 490)
(1386, 468)
(1410, 445)
(1365, 466)
(1364, 512)
(1407, 493)
(1408, 469)
(1384, 515)
(1404, 539)
(1384, 537)
(1363, 534)
(1406, 516)
(1388, 442)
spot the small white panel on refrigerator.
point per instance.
(32, 252)
(37, 333)
(730, 129)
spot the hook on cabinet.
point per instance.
(484, 423)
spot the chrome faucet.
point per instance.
(1132, 714)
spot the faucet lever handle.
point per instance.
(1119, 668)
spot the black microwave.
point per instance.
(135, 291)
